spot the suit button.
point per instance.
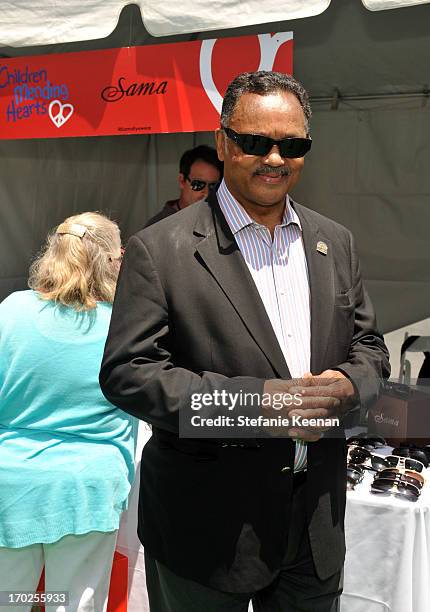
(286, 469)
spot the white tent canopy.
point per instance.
(44, 22)
(381, 5)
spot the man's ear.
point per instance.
(220, 143)
(181, 180)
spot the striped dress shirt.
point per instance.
(279, 270)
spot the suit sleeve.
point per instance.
(138, 374)
(368, 359)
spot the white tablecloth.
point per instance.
(387, 566)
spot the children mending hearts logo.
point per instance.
(59, 113)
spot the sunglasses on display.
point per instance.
(405, 463)
(364, 458)
(425, 448)
(256, 144)
(396, 487)
(407, 476)
(198, 185)
(368, 442)
(354, 475)
(412, 453)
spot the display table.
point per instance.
(387, 567)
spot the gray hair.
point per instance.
(75, 266)
(263, 82)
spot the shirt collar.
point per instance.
(237, 217)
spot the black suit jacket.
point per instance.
(187, 318)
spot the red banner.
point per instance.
(134, 90)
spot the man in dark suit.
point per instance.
(237, 295)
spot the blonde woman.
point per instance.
(66, 454)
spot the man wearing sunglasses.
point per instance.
(238, 295)
(200, 170)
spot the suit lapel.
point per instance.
(220, 254)
(321, 284)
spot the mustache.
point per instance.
(279, 171)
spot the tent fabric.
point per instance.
(367, 171)
(43, 181)
(164, 19)
(42, 22)
(346, 47)
(382, 5)
(368, 167)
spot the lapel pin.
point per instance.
(322, 247)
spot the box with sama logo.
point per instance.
(402, 414)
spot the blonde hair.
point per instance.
(76, 268)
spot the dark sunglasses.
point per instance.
(361, 444)
(256, 144)
(395, 487)
(405, 463)
(362, 457)
(368, 442)
(406, 476)
(354, 475)
(198, 185)
(412, 453)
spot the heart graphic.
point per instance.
(60, 117)
(269, 46)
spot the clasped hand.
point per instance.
(327, 396)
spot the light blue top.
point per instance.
(66, 453)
